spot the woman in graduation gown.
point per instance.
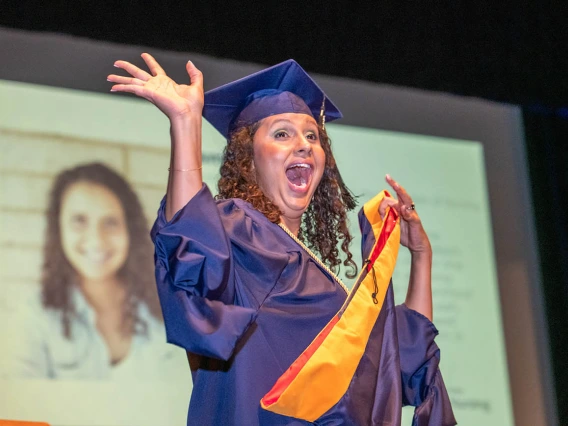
(243, 294)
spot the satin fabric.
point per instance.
(321, 376)
(246, 300)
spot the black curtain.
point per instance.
(547, 150)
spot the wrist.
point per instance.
(186, 131)
(422, 255)
(185, 120)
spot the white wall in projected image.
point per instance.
(47, 130)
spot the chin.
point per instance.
(298, 207)
(100, 273)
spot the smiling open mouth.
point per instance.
(96, 256)
(299, 174)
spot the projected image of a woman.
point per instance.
(99, 315)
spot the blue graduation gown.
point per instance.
(245, 300)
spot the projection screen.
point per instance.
(461, 159)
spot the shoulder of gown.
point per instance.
(199, 254)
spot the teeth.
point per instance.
(305, 166)
(302, 182)
(96, 256)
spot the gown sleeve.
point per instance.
(422, 383)
(196, 279)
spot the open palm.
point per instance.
(171, 98)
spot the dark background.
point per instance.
(507, 51)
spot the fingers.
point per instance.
(130, 88)
(406, 206)
(133, 70)
(386, 203)
(153, 65)
(195, 75)
(127, 84)
(125, 80)
(401, 193)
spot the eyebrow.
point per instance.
(285, 120)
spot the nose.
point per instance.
(94, 237)
(303, 145)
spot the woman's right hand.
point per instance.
(174, 100)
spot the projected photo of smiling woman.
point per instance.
(97, 315)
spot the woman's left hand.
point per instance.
(412, 233)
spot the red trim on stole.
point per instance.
(390, 223)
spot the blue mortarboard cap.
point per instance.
(282, 88)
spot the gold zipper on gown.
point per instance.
(314, 257)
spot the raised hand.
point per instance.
(412, 233)
(174, 100)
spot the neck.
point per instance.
(293, 225)
(104, 295)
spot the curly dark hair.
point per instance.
(137, 273)
(324, 223)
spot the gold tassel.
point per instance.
(322, 114)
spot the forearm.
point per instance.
(419, 294)
(185, 176)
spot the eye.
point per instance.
(312, 136)
(78, 221)
(111, 223)
(281, 134)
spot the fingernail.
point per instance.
(388, 176)
(113, 90)
(189, 62)
(114, 65)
